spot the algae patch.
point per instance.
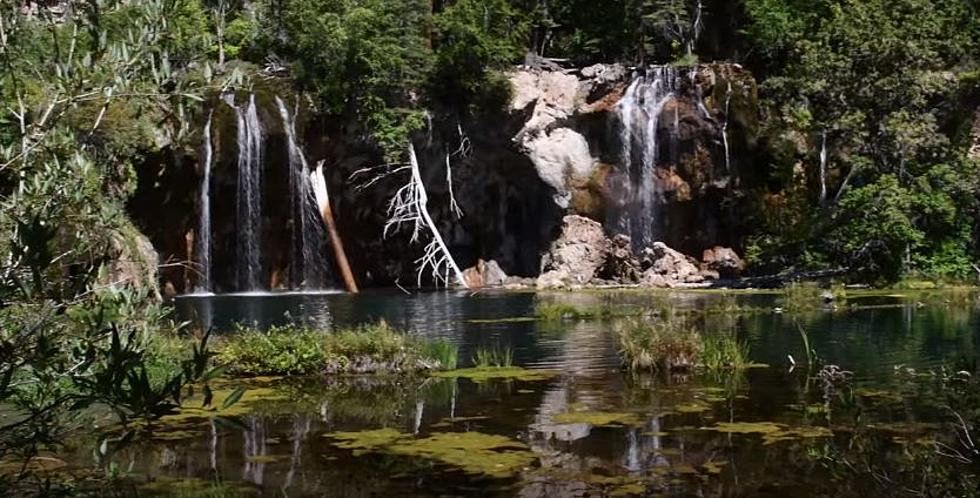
(471, 452)
(504, 373)
(598, 418)
(771, 432)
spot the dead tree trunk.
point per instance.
(323, 203)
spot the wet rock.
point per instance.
(485, 274)
(576, 256)
(622, 266)
(724, 261)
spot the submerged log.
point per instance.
(323, 203)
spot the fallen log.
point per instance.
(319, 184)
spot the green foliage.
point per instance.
(293, 350)
(866, 77)
(664, 344)
(494, 357)
(471, 40)
(723, 352)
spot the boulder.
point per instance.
(673, 266)
(485, 274)
(561, 157)
(621, 265)
(577, 256)
(134, 262)
(722, 260)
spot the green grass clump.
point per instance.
(666, 343)
(563, 311)
(493, 357)
(723, 352)
(294, 350)
(798, 297)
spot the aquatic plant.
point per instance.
(499, 373)
(723, 352)
(494, 357)
(472, 452)
(799, 297)
(665, 343)
(564, 311)
(295, 350)
(443, 351)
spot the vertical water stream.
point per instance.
(249, 196)
(308, 264)
(204, 223)
(639, 114)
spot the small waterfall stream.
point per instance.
(249, 196)
(639, 115)
(204, 223)
(308, 268)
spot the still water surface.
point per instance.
(589, 429)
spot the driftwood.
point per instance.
(323, 203)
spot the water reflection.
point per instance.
(593, 429)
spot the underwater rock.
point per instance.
(723, 260)
(577, 255)
(485, 274)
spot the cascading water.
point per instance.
(724, 129)
(308, 263)
(249, 196)
(639, 114)
(204, 223)
(823, 168)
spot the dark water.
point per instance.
(589, 430)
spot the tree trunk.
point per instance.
(323, 203)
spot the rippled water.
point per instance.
(590, 430)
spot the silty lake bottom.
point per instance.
(578, 425)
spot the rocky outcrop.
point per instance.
(723, 261)
(664, 267)
(576, 256)
(134, 262)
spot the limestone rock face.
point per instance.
(560, 157)
(560, 154)
(485, 274)
(723, 260)
(577, 256)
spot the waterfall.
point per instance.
(823, 168)
(204, 223)
(249, 196)
(639, 113)
(308, 266)
(724, 130)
